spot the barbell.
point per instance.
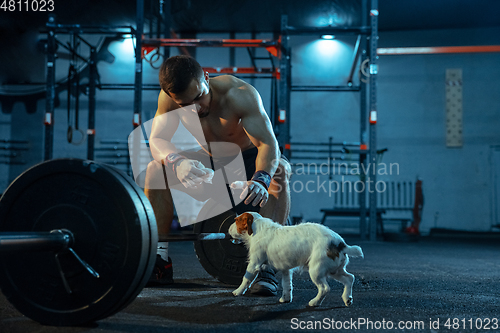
(78, 242)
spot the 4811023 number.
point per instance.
(472, 324)
(27, 6)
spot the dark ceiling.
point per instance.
(438, 14)
(264, 15)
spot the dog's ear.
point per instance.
(249, 223)
(241, 224)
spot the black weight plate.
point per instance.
(151, 245)
(113, 234)
(222, 259)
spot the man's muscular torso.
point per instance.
(222, 124)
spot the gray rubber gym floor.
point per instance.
(437, 278)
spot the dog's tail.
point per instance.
(353, 251)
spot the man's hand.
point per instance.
(192, 173)
(254, 192)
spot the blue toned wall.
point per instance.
(458, 182)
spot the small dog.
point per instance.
(308, 245)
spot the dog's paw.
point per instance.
(348, 301)
(238, 292)
(285, 299)
(313, 303)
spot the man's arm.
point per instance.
(247, 103)
(164, 126)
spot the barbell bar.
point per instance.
(206, 236)
(34, 241)
(61, 239)
(89, 233)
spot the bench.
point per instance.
(353, 212)
(394, 204)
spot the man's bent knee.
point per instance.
(283, 171)
(155, 176)
(281, 177)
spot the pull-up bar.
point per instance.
(272, 46)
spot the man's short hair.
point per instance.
(176, 73)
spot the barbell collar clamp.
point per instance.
(62, 275)
(84, 264)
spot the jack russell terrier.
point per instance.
(308, 245)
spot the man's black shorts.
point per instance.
(216, 163)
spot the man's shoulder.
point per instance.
(228, 85)
(225, 83)
(242, 98)
(165, 103)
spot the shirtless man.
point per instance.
(229, 110)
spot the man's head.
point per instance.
(182, 78)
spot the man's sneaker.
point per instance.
(266, 283)
(162, 272)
